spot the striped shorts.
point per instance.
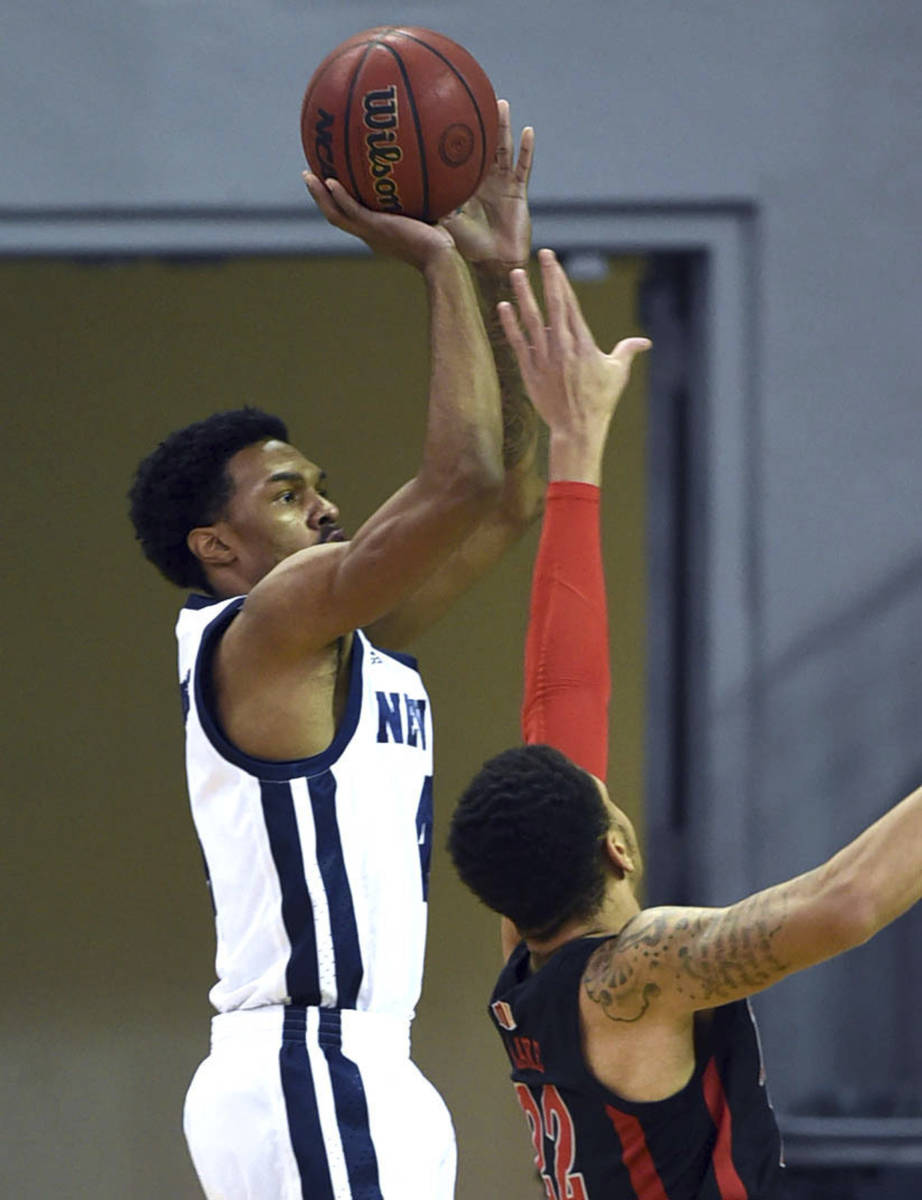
(316, 1104)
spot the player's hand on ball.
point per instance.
(493, 229)
(574, 385)
(386, 233)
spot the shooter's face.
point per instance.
(278, 506)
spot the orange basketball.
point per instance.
(404, 118)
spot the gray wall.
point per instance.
(804, 112)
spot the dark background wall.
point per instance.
(108, 945)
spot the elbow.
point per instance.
(484, 482)
(519, 502)
(475, 466)
(463, 499)
(475, 484)
(470, 484)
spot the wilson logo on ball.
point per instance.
(382, 121)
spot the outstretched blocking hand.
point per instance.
(395, 236)
(573, 384)
(493, 229)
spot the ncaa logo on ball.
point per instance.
(323, 144)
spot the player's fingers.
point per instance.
(627, 350)
(553, 280)
(503, 135)
(348, 206)
(327, 201)
(526, 156)
(321, 196)
(529, 312)
(315, 187)
(579, 329)
(514, 336)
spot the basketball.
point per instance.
(404, 118)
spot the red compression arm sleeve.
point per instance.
(567, 676)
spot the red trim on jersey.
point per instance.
(729, 1184)
(567, 677)
(635, 1155)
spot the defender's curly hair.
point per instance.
(184, 483)
(526, 838)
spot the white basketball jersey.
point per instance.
(318, 867)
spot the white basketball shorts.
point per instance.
(316, 1104)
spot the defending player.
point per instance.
(309, 750)
(633, 1050)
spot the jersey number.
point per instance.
(424, 833)
(552, 1126)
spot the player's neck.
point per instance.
(228, 583)
(619, 907)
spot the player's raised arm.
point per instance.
(492, 230)
(316, 595)
(576, 389)
(669, 961)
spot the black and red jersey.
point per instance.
(716, 1139)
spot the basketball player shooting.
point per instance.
(633, 1049)
(309, 748)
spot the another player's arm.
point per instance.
(576, 389)
(493, 233)
(672, 961)
(316, 595)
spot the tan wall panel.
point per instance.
(109, 944)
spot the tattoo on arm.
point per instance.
(706, 957)
(519, 422)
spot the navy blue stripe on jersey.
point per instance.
(301, 1104)
(264, 768)
(195, 601)
(351, 1110)
(348, 954)
(301, 975)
